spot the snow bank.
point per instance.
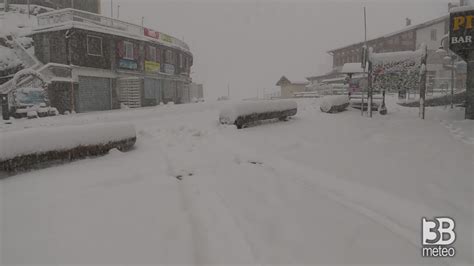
(232, 112)
(43, 140)
(334, 104)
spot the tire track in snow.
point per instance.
(457, 132)
(335, 188)
(217, 237)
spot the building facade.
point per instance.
(408, 39)
(288, 88)
(97, 63)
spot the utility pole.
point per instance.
(29, 11)
(118, 11)
(452, 81)
(112, 8)
(143, 21)
(72, 4)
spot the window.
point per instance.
(151, 54)
(128, 50)
(169, 57)
(181, 60)
(94, 45)
(433, 35)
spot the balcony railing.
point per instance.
(73, 15)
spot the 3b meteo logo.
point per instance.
(438, 236)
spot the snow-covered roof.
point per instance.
(461, 9)
(334, 80)
(352, 68)
(395, 56)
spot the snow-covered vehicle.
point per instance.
(29, 100)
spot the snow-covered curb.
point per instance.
(43, 140)
(232, 112)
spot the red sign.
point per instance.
(151, 33)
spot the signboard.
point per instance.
(461, 34)
(166, 38)
(169, 69)
(128, 64)
(152, 67)
(151, 33)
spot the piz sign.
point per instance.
(461, 34)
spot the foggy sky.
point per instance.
(251, 44)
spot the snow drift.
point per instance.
(334, 104)
(243, 113)
(19, 150)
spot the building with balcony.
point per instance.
(108, 63)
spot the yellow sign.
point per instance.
(166, 38)
(465, 22)
(152, 67)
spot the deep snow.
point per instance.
(318, 189)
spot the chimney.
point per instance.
(408, 22)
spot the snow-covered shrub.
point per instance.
(25, 148)
(8, 60)
(243, 113)
(334, 104)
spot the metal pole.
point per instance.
(112, 8)
(452, 82)
(118, 11)
(143, 21)
(72, 4)
(28, 6)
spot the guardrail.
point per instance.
(74, 15)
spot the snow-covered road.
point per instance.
(319, 189)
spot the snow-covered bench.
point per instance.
(244, 113)
(23, 149)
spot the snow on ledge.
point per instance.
(230, 113)
(41, 140)
(461, 9)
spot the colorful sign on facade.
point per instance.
(151, 33)
(128, 64)
(169, 69)
(152, 67)
(166, 38)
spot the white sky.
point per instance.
(251, 44)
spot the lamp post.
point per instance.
(444, 50)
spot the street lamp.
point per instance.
(447, 55)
